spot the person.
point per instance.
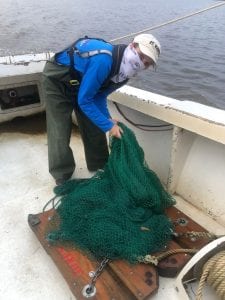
(79, 78)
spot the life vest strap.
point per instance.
(92, 53)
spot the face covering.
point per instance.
(131, 64)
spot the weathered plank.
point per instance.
(118, 281)
(184, 224)
(173, 264)
(141, 280)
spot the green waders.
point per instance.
(60, 101)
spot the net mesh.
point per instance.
(119, 212)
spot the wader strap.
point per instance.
(74, 74)
(75, 79)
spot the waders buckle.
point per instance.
(74, 82)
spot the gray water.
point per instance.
(191, 65)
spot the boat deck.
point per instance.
(27, 272)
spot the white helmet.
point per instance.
(148, 45)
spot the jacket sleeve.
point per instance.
(101, 98)
(96, 72)
(101, 102)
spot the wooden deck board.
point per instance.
(186, 225)
(120, 280)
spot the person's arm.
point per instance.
(101, 102)
(101, 98)
(96, 72)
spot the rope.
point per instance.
(196, 235)
(52, 200)
(214, 274)
(151, 259)
(168, 22)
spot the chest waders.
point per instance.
(61, 84)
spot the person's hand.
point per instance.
(115, 121)
(116, 131)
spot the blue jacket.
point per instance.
(94, 71)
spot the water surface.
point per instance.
(192, 61)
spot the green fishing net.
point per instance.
(119, 212)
